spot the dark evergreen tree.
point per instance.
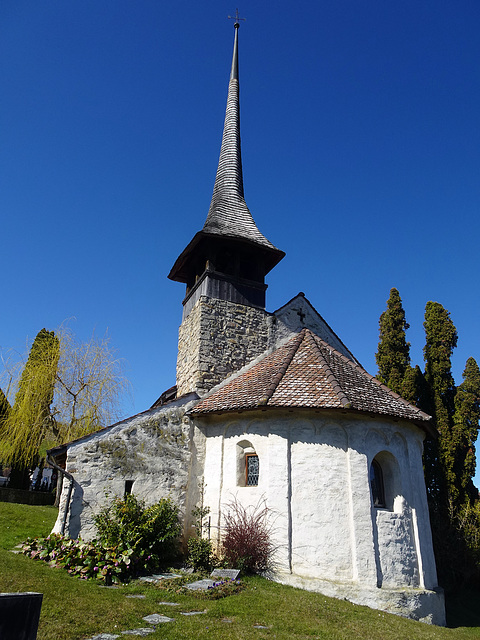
(449, 460)
(414, 387)
(465, 431)
(439, 456)
(393, 355)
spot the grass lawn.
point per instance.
(74, 609)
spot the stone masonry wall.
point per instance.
(156, 450)
(216, 339)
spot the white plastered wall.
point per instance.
(314, 477)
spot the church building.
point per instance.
(271, 408)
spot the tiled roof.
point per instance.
(306, 372)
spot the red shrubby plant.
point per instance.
(247, 543)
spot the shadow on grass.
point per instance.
(463, 608)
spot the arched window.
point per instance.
(386, 482)
(248, 465)
(376, 483)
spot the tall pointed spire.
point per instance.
(230, 246)
(228, 214)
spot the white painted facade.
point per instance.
(314, 477)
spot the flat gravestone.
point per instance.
(192, 613)
(200, 584)
(136, 595)
(142, 631)
(105, 636)
(156, 618)
(225, 573)
(155, 577)
(109, 586)
(169, 604)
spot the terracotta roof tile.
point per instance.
(307, 372)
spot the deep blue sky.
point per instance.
(361, 154)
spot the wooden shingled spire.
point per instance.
(228, 214)
(230, 242)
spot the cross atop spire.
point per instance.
(236, 18)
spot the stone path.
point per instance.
(153, 619)
(156, 618)
(192, 613)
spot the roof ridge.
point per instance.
(329, 373)
(358, 366)
(277, 378)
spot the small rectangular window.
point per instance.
(252, 469)
(128, 487)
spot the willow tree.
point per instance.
(4, 411)
(29, 419)
(67, 389)
(393, 355)
(89, 386)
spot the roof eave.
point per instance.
(177, 273)
(425, 425)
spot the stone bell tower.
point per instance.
(224, 323)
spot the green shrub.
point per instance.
(149, 531)
(133, 539)
(200, 554)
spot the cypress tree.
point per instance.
(414, 387)
(441, 339)
(465, 431)
(393, 355)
